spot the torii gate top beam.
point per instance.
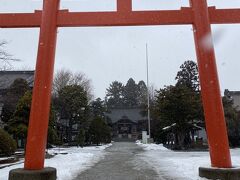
(122, 17)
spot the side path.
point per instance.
(120, 163)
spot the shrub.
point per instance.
(7, 144)
(80, 138)
(99, 131)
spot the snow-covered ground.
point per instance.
(180, 165)
(171, 164)
(69, 162)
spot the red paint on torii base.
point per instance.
(199, 15)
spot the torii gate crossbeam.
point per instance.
(50, 18)
(118, 18)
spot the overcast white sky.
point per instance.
(106, 54)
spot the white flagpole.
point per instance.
(149, 125)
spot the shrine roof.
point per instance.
(133, 114)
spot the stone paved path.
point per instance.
(120, 163)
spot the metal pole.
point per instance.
(210, 88)
(148, 98)
(39, 115)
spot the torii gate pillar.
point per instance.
(210, 88)
(34, 158)
(39, 115)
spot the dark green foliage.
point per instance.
(71, 101)
(130, 94)
(99, 131)
(180, 104)
(52, 136)
(188, 75)
(14, 93)
(81, 138)
(18, 124)
(19, 131)
(176, 104)
(232, 120)
(98, 108)
(142, 93)
(52, 132)
(114, 95)
(7, 144)
(72, 104)
(23, 108)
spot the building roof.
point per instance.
(133, 114)
(190, 125)
(235, 96)
(8, 77)
(234, 92)
(231, 93)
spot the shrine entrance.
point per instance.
(199, 15)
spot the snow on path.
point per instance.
(68, 165)
(180, 165)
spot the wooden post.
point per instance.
(39, 116)
(124, 5)
(210, 89)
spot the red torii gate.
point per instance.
(50, 18)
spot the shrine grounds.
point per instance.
(124, 160)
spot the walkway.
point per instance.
(120, 163)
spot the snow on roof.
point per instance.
(174, 124)
(168, 127)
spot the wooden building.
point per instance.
(127, 123)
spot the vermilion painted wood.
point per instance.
(20, 20)
(51, 18)
(39, 116)
(121, 18)
(224, 16)
(76, 19)
(124, 6)
(210, 89)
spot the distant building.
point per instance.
(127, 123)
(235, 96)
(195, 134)
(66, 131)
(6, 80)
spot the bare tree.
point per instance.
(81, 79)
(5, 58)
(65, 77)
(62, 78)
